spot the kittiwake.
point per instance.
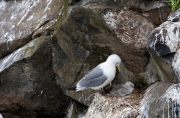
(1, 116)
(101, 75)
(123, 89)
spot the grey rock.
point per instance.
(19, 19)
(27, 81)
(88, 37)
(165, 102)
(47, 47)
(114, 107)
(30, 86)
(76, 110)
(163, 44)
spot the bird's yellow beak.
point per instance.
(118, 67)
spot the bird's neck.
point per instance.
(108, 64)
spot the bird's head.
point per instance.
(115, 59)
(129, 84)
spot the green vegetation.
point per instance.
(174, 4)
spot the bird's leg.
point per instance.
(102, 92)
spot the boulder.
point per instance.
(47, 46)
(163, 44)
(29, 87)
(164, 103)
(27, 80)
(20, 19)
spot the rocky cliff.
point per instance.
(48, 45)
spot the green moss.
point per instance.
(159, 65)
(32, 46)
(63, 14)
(174, 4)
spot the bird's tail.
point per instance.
(72, 88)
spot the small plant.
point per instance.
(174, 4)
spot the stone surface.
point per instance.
(19, 19)
(76, 110)
(163, 44)
(132, 29)
(47, 47)
(27, 81)
(89, 36)
(163, 41)
(158, 15)
(114, 107)
(165, 102)
(29, 87)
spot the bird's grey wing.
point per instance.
(94, 78)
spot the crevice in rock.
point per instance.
(160, 15)
(9, 44)
(75, 2)
(135, 9)
(168, 57)
(45, 32)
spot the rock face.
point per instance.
(93, 31)
(163, 44)
(114, 107)
(164, 103)
(18, 25)
(48, 45)
(132, 29)
(27, 80)
(22, 92)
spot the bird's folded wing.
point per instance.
(93, 79)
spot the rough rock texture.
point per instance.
(164, 103)
(132, 29)
(114, 107)
(46, 48)
(19, 19)
(27, 81)
(29, 87)
(93, 31)
(163, 44)
(76, 110)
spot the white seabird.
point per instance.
(101, 75)
(123, 89)
(1, 116)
